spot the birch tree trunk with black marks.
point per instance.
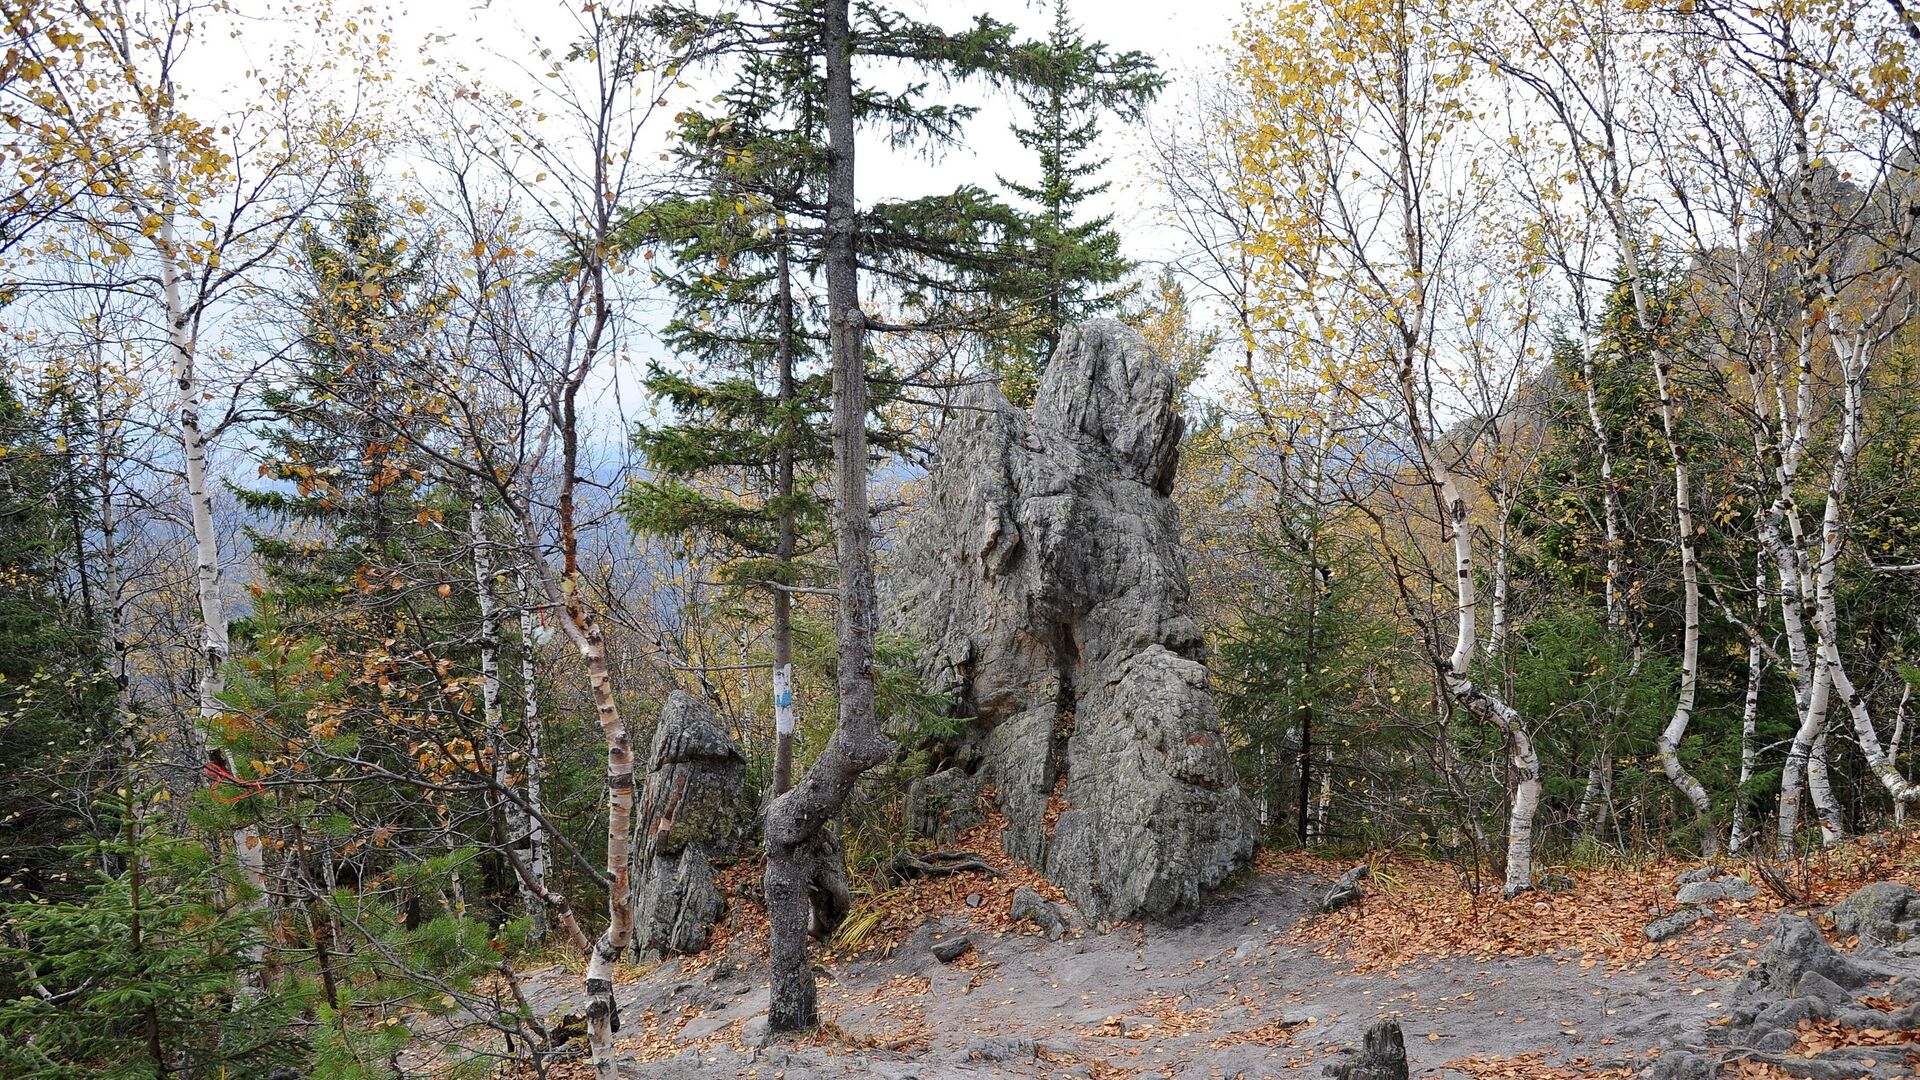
(1741, 825)
(538, 857)
(503, 758)
(249, 848)
(1668, 745)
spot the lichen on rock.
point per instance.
(1045, 579)
(689, 812)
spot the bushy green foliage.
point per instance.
(148, 972)
(1301, 659)
(57, 742)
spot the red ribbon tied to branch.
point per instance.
(217, 774)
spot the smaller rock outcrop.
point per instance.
(692, 804)
(1716, 890)
(1698, 890)
(1038, 910)
(1673, 922)
(1797, 978)
(1797, 949)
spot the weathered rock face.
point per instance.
(1884, 913)
(943, 805)
(691, 806)
(1045, 578)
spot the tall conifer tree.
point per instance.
(1073, 266)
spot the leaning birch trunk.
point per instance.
(249, 850)
(1522, 761)
(1456, 668)
(1614, 204)
(603, 1015)
(796, 821)
(1806, 767)
(1668, 744)
(1784, 447)
(1598, 796)
(1675, 731)
(1856, 364)
(589, 640)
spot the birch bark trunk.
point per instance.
(1750, 713)
(500, 747)
(249, 848)
(539, 857)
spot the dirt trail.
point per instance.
(1234, 994)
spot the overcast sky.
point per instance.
(500, 40)
(494, 35)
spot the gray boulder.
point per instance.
(1673, 922)
(1046, 581)
(1714, 890)
(1038, 910)
(1885, 913)
(1798, 947)
(690, 809)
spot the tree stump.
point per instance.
(1382, 1056)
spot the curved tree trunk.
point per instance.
(796, 821)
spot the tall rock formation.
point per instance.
(1045, 580)
(693, 803)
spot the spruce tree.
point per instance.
(736, 464)
(143, 975)
(1073, 267)
(359, 655)
(55, 694)
(945, 262)
(349, 537)
(348, 496)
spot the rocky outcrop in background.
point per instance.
(692, 805)
(1045, 579)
